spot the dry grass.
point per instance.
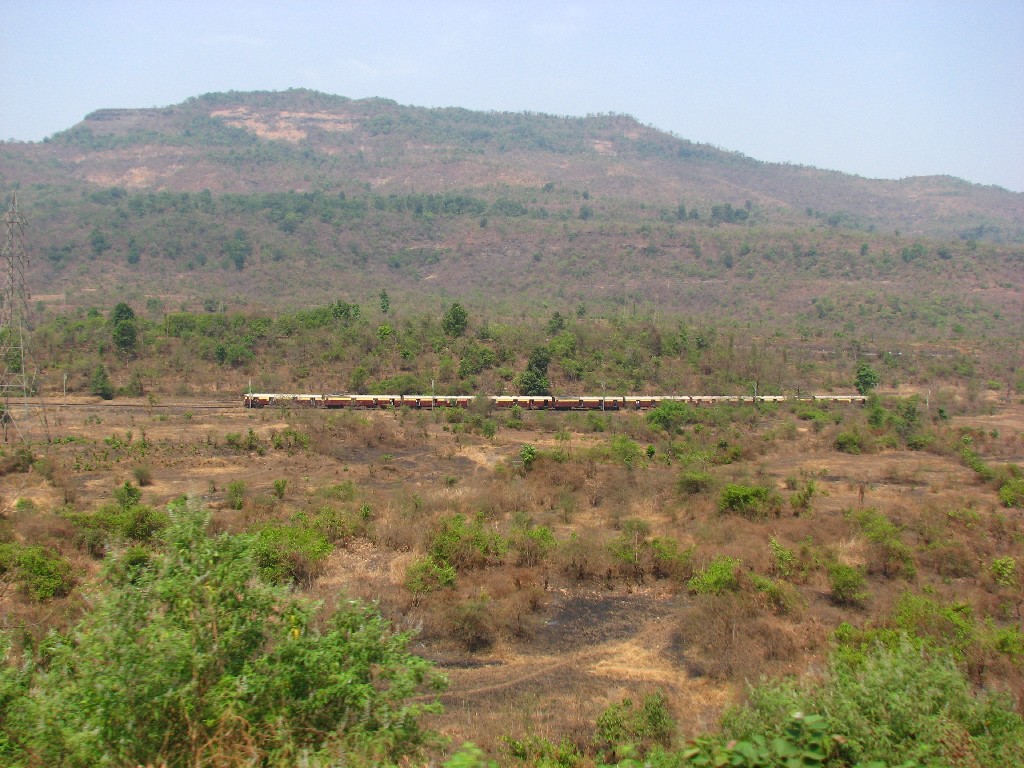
(542, 649)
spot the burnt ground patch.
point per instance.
(578, 621)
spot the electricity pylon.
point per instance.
(16, 381)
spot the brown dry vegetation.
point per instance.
(613, 559)
(541, 641)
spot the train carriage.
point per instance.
(643, 402)
(526, 402)
(600, 403)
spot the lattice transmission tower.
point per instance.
(16, 384)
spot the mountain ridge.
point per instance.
(446, 148)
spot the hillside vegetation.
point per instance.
(187, 582)
(302, 198)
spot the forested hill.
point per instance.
(302, 140)
(234, 194)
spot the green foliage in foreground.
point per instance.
(889, 706)
(188, 657)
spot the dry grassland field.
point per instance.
(581, 573)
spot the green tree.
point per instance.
(534, 380)
(99, 242)
(455, 320)
(125, 336)
(190, 658)
(866, 379)
(121, 313)
(556, 324)
(385, 302)
(539, 360)
(531, 383)
(100, 384)
(238, 248)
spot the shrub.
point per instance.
(669, 561)
(464, 545)
(141, 523)
(624, 450)
(426, 575)
(287, 439)
(894, 702)
(893, 553)
(583, 559)
(250, 442)
(630, 547)
(528, 455)
(533, 750)
(342, 525)
(143, 474)
(236, 494)
(1009, 641)
(134, 522)
(290, 553)
(627, 725)
(866, 379)
(693, 482)
(781, 597)
(952, 560)
(1011, 492)
(1004, 571)
(919, 441)
(127, 495)
(813, 414)
(21, 460)
(472, 624)
(196, 660)
(41, 574)
(971, 459)
(785, 558)
(749, 501)
(849, 441)
(951, 626)
(847, 584)
(801, 500)
(532, 544)
(345, 491)
(720, 575)
(670, 415)
(280, 486)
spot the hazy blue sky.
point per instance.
(880, 89)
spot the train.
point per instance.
(525, 402)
